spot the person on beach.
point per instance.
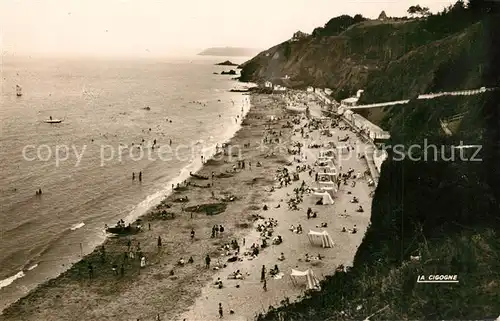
(207, 261)
(91, 271)
(216, 229)
(159, 241)
(133, 176)
(170, 143)
(39, 191)
(263, 274)
(264, 287)
(221, 312)
(140, 176)
(192, 234)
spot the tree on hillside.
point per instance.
(418, 11)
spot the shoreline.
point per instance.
(30, 307)
(140, 210)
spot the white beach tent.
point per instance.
(326, 197)
(312, 283)
(328, 169)
(320, 238)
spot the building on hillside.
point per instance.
(328, 91)
(268, 84)
(299, 35)
(359, 92)
(349, 102)
(310, 89)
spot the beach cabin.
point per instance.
(348, 115)
(327, 153)
(349, 102)
(299, 35)
(322, 239)
(312, 283)
(327, 177)
(343, 149)
(325, 198)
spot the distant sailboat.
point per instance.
(19, 90)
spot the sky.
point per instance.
(170, 27)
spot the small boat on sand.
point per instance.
(198, 176)
(19, 91)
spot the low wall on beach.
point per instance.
(379, 156)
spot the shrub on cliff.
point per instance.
(337, 25)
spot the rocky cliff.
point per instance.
(443, 210)
(390, 59)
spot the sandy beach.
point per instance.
(119, 289)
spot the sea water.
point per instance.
(84, 164)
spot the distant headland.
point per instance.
(230, 52)
(226, 63)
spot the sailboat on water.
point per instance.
(53, 120)
(19, 91)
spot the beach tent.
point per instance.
(325, 163)
(326, 158)
(327, 177)
(326, 197)
(328, 169)
(312, 283)
(343, 149)
(320, 238)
